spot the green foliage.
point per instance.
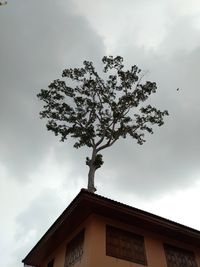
(98, 162)
(97, 112)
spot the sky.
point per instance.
(39, 176)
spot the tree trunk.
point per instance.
(92, 169)
(91, 173)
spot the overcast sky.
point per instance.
(39, 176)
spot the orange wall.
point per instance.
(154, 251)
(94, 254)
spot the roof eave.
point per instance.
(86, 203)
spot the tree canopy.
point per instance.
(97, 111)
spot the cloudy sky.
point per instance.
(39, 176)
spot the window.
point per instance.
(74, 250)
(125, 245)
(50, 264)
(177, 257)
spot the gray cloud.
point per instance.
(34, 221)
(37, 41)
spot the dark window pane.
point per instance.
(125, 245)
(50, 264)
(177, 257)
(74, 250)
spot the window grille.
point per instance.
(125, 245)
(177, 257)
(74, 250)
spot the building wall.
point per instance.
(94, 254)
(59, 254)
(154, 251)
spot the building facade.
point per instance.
(98, 232)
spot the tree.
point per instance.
(96, 111)
(3, 3)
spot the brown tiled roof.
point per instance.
(86, 203)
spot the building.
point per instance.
(95, 231)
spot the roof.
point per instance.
(86, 203)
